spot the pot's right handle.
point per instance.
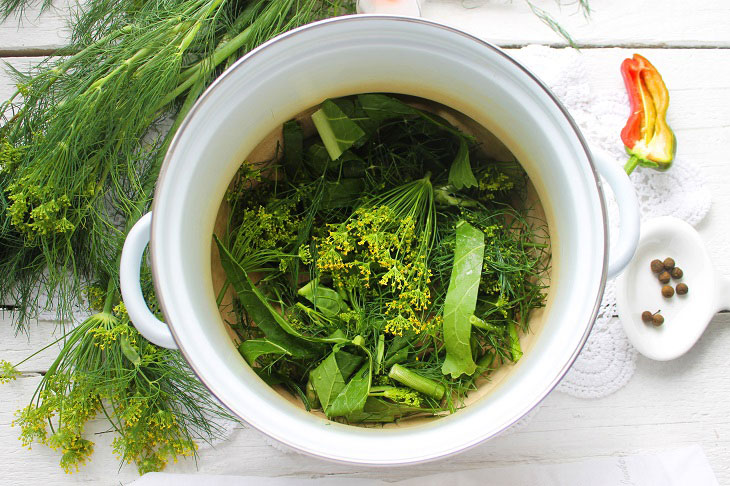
(628, 210)
(145, 321)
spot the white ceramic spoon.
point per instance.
(685, 316)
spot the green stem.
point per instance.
(482, 324)
(246, 17)
(111, 292)
(40, 350)
(514, 337)
(631, 164)
(57, 71)
(106, 414)
(75, 335)
(222, 293)
(123, 66)
(192, 74)
(411, 379)
(485, 363)
(188, 39)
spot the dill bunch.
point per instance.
(81, 144)
(82, 135)
(381, 253)
(410, 237)
(156, 406)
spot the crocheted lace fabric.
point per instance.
(608, 360)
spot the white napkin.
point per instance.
(681, 467)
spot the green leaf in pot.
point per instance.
(337, 131)
(461, 300)
(380, 107)
(293, 142)
(251, 349)
(383, 411)
(326, 300)
(460, 174)
(276, 328)
(327, 380)
(341, 194)
(352, 398)
(348, 363)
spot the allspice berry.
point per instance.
(677, 273)
(646, 316)
(682, 289)
(668, 263)
(657, 319)
(667, 291)
(656, 266)
(664, 277)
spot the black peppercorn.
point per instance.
(664, 277)
(682, 289)
(677, 273)
(667, 291)
(668, 263)
(646, 316)
(657, 319)
(656, 266)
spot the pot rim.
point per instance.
(167, 162)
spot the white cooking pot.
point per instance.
(344, 56)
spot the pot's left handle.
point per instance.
(145, 321)
(628, 210)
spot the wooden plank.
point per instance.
(664, 23)
(35, 33)
(40, 464)
(665, 406)
(16, 347)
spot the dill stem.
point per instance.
(75, 335)
(535, 245)
(111, 291)
(124, 65)
(192, 74)
(106, 414)
(196, 27)
(39, 351)
(481, 324)
(57, 71)
(244, 18)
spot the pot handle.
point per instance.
(145, 321)
(628, 209)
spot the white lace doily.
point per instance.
(608, 360)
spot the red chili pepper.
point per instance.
(647, 136)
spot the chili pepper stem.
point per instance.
(631, 164)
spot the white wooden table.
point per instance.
(666, 405)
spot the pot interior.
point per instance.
(490, 146)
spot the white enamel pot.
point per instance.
(351, 55)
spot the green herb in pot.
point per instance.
(383, 263)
